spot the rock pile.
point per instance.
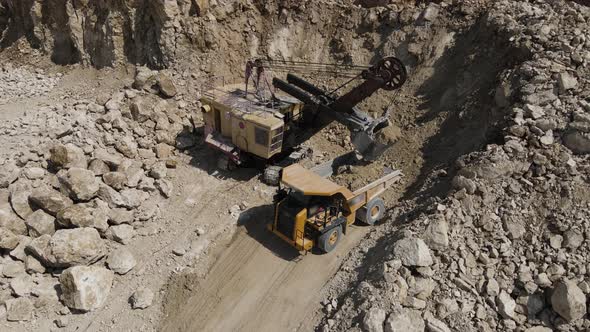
(20, 83)
(70, 204)
(508, 248)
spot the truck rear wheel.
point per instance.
(372, 212)
(329, 240)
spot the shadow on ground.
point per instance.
(254, 221)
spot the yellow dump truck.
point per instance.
(314, 212)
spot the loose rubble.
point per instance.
(507, 248)
(70, 204)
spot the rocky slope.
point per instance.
(507, 247)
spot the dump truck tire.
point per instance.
(372, 212)
(272, 175)
(329, 240)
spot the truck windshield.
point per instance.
(298, 196)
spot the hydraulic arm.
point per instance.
(388, 74)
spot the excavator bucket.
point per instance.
(374, 141)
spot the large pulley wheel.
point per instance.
(393, 71)
(329, 240)
(372, 212)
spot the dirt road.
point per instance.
(259, 284)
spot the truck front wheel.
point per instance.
(329, 240)
(372, 212)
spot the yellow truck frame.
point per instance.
(314, 212)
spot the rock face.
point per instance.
(412, 252)
(569, 301)
(85, 288)
(69, 247)
(80, 184)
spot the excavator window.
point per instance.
(261, 136)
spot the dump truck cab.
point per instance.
(308, 206)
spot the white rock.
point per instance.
(165, 187)
(506, 305)
(568, 301)
(435, 325)
(79, 184)
(534, 111)
(33, 265)
(34, 173)
(492, 287)
(412, 252)
(373, 320)
(21, 285)
(19, 251)
(49, 200)
(566, 82)
(40, 223)
(8, 240)
(67, 156)
(85, 288)
(83, 215)
(436, 234)
(406, 320)
(20, 192)
(68, 247)
(121, 261)
(8, 174)
(121, 233)
(538, 329)
(20, 309)
(142, 298)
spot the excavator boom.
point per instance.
(388, 74)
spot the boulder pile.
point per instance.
(70, 204)
(23, 83)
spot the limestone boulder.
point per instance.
(67, 156)
(51, 201)
(83, 215)
(85, 288)
(40, 223)
(412, 252)
(79, 184)
(68, 247)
